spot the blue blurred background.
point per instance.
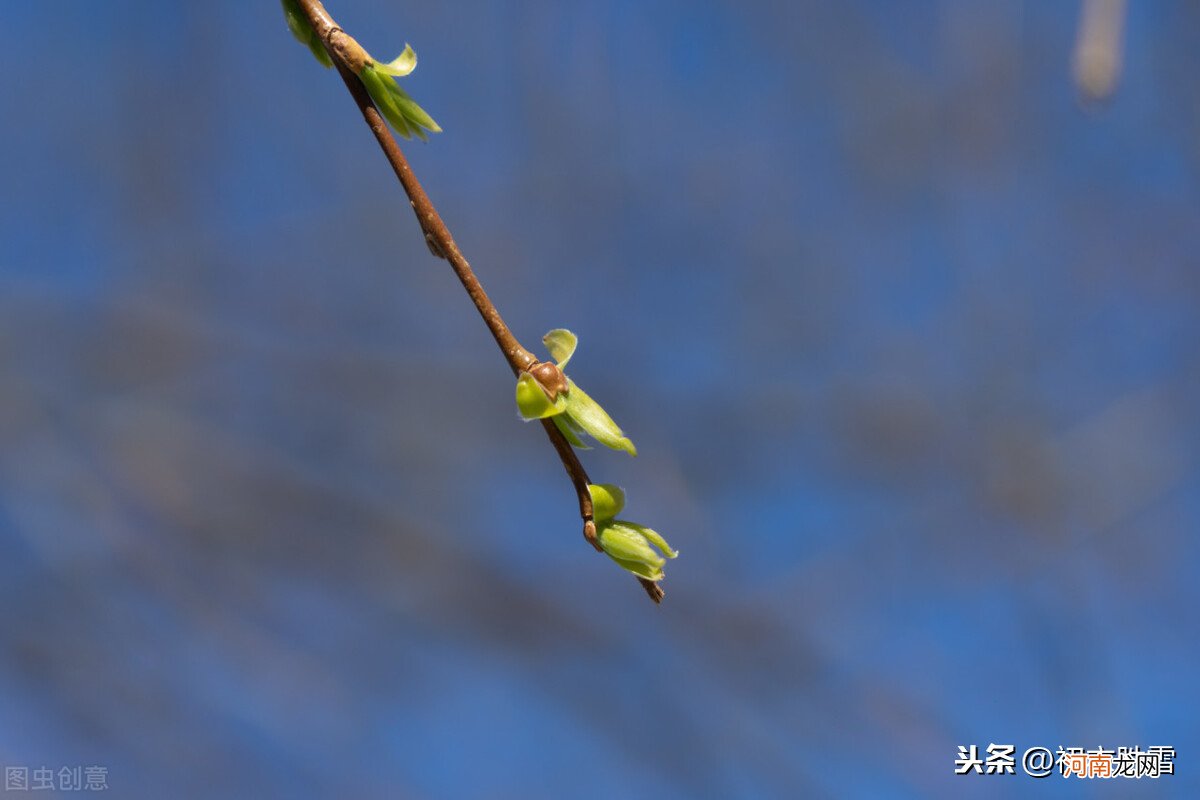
(907, 336)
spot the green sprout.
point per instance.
(400, 110)
(634, 547)
(572, 410)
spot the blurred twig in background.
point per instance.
(1098, 51)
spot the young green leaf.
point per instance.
(401, 65)
(408, 118)
(304, 33)
(652, 536)
(587, 414)
(639, 568)
(572, 432)
(561, 344)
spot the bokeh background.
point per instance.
(906, 332)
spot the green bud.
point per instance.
(408, 118)
(607, 500)
(304, 33)
(583, 414)
(533, 402)
(631, 547)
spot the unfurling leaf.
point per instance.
(587, 414)
(401, 65)
(561, 344)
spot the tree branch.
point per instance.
(349, 57)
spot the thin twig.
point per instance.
(1098, 48)
(349, 57)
